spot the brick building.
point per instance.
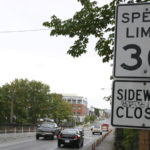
(79, 105)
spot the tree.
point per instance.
(92, 118)
(96, 111)
(38, 100)
(90, 20)
(23, 101)
(87, 119)
(4, 106)
(59, 109)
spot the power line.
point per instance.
(17, 31)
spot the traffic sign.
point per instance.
(131, 104)
(132, 41)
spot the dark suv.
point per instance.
(47, 130)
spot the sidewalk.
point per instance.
(107, 143)
(14, 137)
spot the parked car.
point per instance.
(81, 129)
(97, 129)
(48, 130)
(70, 137)
(105, 127)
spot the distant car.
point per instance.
(97, 129)
(81, 129)
(105, 127)
(70, 137)
(48, 130)
(91, 128)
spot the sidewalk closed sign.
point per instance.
(131, 104)
(132, 41)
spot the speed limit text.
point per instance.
(136, 17)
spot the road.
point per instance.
(30, 143)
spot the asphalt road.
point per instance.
(30, 143)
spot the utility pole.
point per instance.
(12, 110)
(11, 97)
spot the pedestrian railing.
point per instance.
(17, 129)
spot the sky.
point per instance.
(34, 55)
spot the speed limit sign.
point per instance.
(132, 41)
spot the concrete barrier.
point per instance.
(98, 141)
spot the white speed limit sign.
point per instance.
(132, 41)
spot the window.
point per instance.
(74, 101)
(79, 107)
(85, 102)
(79, 101)
(69, 101)
(78, 113)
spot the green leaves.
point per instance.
(90, 20)
(79, 47)
(130, 138)
(29, 98)
(59, 109)
(96, 111)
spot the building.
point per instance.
(103, 113)
(91, 111)
(79, 105)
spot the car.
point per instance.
(70, 137)
(91, 128)
(105, 127)
(47, 130)
(81, 129)
(97, 129)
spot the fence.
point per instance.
(17, 128)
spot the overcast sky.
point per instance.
(37, 56)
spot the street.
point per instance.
(29, 142)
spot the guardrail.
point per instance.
(98, 141)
